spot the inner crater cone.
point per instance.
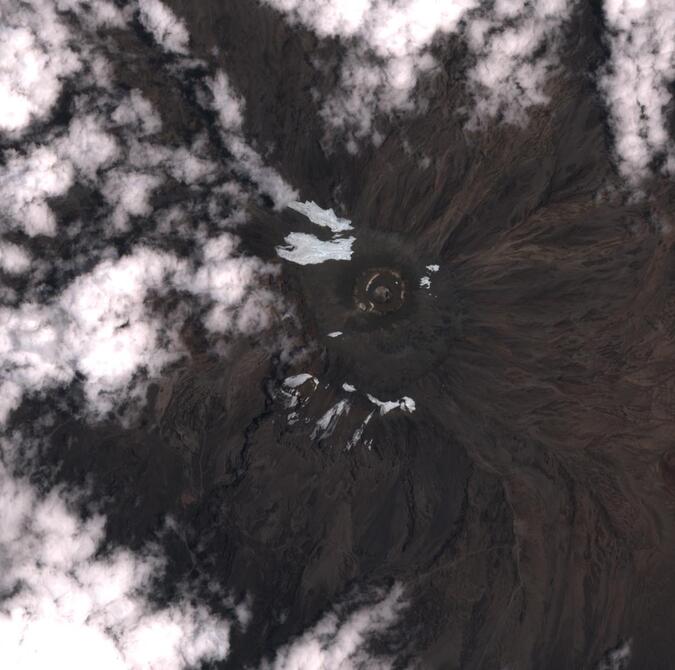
(379, 291)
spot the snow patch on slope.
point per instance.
(405, 404)
(307, 249)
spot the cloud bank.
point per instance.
(102, 329)
(70, 599)
(512, 42)
(35, 56)
(68, 603)
(99, 320)
(635, 84)
(515, 47)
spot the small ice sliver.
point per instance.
(325, 426)
(358, 433)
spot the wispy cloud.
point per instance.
(230, 109)
(341, 642)
(616, 659)
(97, 321)
(513, 45)
(166, 28)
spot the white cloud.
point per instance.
(641, 65)
(98, 14)
(101, 327)
(47, 171)
(225, 279)
(88, 146)
(25, 184)
(267, 179)
(13, 258)
(168, 30)
(71, 598)
(35, 56)
(342, 645)
(97, 327)
(388, 49)
(129, 193)
(226, 102)
(230, 109)
(398, 30)
(137, 113)
(183, 164)
(388, 52)
(507, 78)
(616, 659)
(388, 45)
(67, 605)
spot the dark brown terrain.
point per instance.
(527, 505)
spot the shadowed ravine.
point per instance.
(526, 504)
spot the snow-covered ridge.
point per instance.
(405, 404)
(325, 426)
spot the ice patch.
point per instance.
(298, 380)
(326, 424)
(405, 404)
(358, 433)
(322, 217)
(305, 249)
(335, 333)
(348, 387)
(425, 282)
(292, 396)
